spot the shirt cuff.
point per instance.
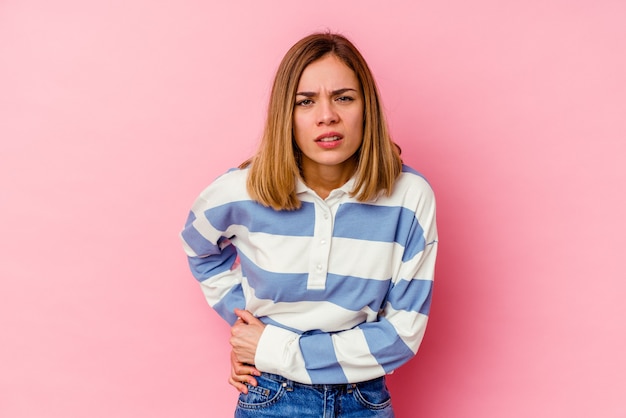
(278, 352)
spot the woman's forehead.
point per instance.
(328, 72)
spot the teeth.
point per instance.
(329, 139)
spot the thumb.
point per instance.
(245, 316)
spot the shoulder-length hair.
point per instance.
(275, 166)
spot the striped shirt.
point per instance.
(344, 287)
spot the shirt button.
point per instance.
(325, 216)
(318, 267)
(323, 241)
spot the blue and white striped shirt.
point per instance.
(344, 287)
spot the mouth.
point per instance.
(329, 137)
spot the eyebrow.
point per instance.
(333, 93)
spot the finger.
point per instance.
(248, 379)
(242, 378)
(242, 369)
(239, 368)
(239, 313)
(245, 316)
(242, 388)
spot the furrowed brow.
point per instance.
(342, 91)
(334, 92)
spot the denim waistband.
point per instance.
(331, 386)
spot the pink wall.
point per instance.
(114, 115)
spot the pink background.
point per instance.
(115, 114)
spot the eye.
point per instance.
(304, 102)
(345, 99)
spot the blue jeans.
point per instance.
(276, 396)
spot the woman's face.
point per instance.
(328, 116)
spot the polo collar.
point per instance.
(346, 188)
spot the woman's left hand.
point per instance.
(245, 336)
(242, 374)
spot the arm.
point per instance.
(362, 353)
(213, 262)
(212, 257)
(374, 348)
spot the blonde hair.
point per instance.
(275, 166)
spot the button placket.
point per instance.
(320, 251)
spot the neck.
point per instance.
(325, 179)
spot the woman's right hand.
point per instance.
(241, 373)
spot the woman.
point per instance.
(319, 250)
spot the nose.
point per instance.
(326, 113)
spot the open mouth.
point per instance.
(329, 139)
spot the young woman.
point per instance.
(320, 249)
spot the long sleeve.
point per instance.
(211, 255)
